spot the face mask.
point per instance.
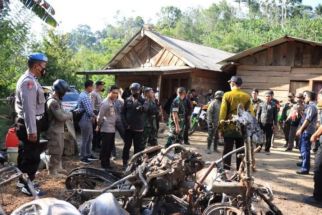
(43, 72)
(136, 95)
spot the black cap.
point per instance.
(99, 83)
(237, 80)
(255, 90)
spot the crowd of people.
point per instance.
(136, 113)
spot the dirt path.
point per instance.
(277, 170)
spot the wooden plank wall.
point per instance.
(295, 54)
(276, 67)
(147, 53)
(277, 78)
(203, 80)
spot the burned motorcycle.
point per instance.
(9, 172)
(156, 185)
(238, 194)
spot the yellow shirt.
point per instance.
(229, 105)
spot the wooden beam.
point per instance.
(159, 85)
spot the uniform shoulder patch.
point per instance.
(54, 105)
(30, 84)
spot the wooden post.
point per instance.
(159, 83)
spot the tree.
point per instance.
(61, 62)
(13, 61)
(318, 10)
(81, 36)
(169, 17)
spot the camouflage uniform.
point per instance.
(213, 121)
(55, 134)
(150, 126)
(179, 107)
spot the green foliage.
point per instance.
(12, 57)
(61, 64)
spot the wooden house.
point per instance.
(284, 65)
(162, 62)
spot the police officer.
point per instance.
(30, 108)
(213, 120)
(267, 118)
(96, 99)
(316, 199)
(177, 118)
(55, 134)
(229, 105)
(133, 118)
(305, 131)
(150, 126)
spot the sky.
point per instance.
(98, 13)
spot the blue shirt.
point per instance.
(84, 103)
(311, 115)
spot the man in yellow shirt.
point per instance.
(229, 105)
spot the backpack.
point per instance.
(77, 116)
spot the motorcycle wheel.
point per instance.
(222, 209)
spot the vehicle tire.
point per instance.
(222, 209)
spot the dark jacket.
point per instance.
(267, 113)
(152, 112)
(133, 113)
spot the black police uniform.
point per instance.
(133, 118)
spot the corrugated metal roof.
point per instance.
(194, 55)
(262, 47)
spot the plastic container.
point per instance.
(12, 140)
(12, 154)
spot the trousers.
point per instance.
(173, 136)
(28, 152)
(212, 137)
(86, 128)
(268, 130)
(305, 151)
(286, 130)
(317, 192)
(108, 143)
(292, 137)
(55, 150)
(228, 147)
(134, 137)
(96, 142)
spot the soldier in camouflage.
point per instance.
(152, 112)
(177, 118)
(213, 120)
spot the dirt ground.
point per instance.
(276, 170)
